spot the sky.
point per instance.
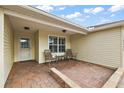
(86, 15)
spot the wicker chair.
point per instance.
(70, 55)
(48, 57)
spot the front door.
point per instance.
(25, 49)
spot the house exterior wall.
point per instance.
(1, 48)
(102, 47)
(17, 36)
(43, 42)
(8, 48)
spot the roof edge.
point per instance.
(53, 16)
(106, 26)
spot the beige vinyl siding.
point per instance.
(43, 42)
(17, 36)
(1, 48)
(101, 47)
(8, 48)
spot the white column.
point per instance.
(122, 47)
(1, 48)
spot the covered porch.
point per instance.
(31, 38)
(26, 34)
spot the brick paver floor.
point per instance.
(31, 74)
(85, 74)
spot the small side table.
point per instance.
(61, 57)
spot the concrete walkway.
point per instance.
(121, 82)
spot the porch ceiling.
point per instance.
(18, 24)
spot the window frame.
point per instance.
(53, 44)
(61, 44)
(58, 42)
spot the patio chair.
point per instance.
(70, 55)
(48, 57)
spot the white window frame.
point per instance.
(58, 42)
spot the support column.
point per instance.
(122, 47)
(1, 48)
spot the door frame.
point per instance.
(19, 48)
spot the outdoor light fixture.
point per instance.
(64, 31)
(26, 28)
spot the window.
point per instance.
(24, 42)
(57, 44)
(61, 44)
(53, 44)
